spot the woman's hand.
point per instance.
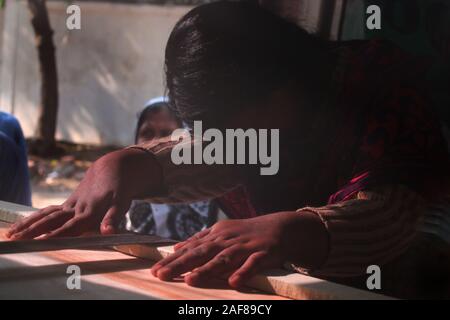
(100, 201)
(241, 248)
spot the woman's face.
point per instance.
(280, 110)
(157, 123)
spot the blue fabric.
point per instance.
(14, 176)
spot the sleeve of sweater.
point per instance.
(373, 228)
(188, 182)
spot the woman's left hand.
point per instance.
(241, 248)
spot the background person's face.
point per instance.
(158, 123)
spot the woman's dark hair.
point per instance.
(224, 55)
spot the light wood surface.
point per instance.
(109, 275)
(105, 274)
(11, 212)
(280, 282)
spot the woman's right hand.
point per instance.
(100, 201)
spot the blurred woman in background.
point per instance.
(174, 221)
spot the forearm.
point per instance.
(185, 182)
(306, 240)
(141, 168)
(374, 228)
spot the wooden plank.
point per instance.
(105, 274)
(85, 242)
(280, 282)
(11, 212)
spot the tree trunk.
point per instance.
(49, 78)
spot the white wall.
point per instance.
(106, 70)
